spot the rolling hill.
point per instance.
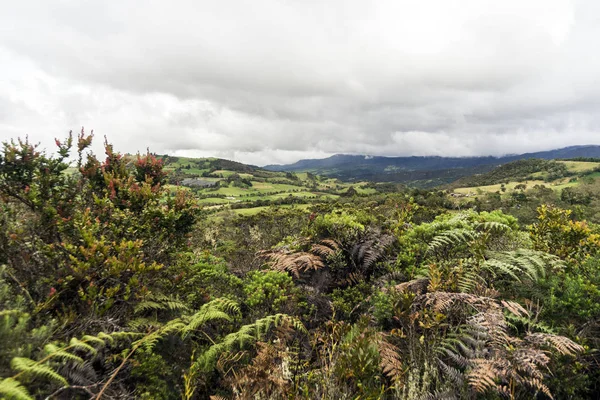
(427, 171)
(220, 185)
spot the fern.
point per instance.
(561, 344)
(12, 389)
(529, 323)
(369, 252)
(56, 352)
(468, 280)
(99, 340)
(37, 369)
(492, 226)
(42, 369)
(390, 361)
(245, 335)
(208, 312)
(453, 238)
(294, 263)
(520, 264)
(82, 345)
(159, 302)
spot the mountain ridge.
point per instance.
(426, 171)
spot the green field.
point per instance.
(266, 186)
(256, 210)
(498, 187)
(580, 166)
(579, 171)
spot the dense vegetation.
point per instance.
(114, 284)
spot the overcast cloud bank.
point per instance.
(275, 81)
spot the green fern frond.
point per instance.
(150, 341)
(468, 280)
(123, 335)
(93, 339)
(56, 352)
(4, 313)
(12, 389)
(497, 267)
(144, 324)
(78, 344)
(106, 337)
(159, 302)
(202, 317)
(225, 304)
(492, 226)
(37, 370)
(521, 263)
(148, 305)
(529, 323)
(451, 238)
(247, 334)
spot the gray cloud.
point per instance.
(274, 81)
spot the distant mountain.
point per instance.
(421, 171)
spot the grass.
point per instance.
(256, 210)
(580, 166)
(498, 187)
(227, 173)
(557, 185)
(593, 175)
(213, 200)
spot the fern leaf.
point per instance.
(246, 334)
(492, 226)
(93, 339)
(12, 389)
(202, 317)
(78, 344)
(562, 344)
(56, 352)
(452, 238)
(106, 337)
(514, 308)
(37, 370)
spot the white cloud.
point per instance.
(274, 81)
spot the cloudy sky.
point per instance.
(273, 81)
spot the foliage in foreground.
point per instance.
(113, 287)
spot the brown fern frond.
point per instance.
(354, 278)
(561, 344)
(390, 361)
(264, 377)
(325, 248)
(294, 263)
(484, 374)
(308, 261)
(227, 360)
(515, 308)
(539, 386)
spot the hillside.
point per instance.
(573, 181)
(220, 185)
(521, 170)
(420, 171)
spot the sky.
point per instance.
(275, 81)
